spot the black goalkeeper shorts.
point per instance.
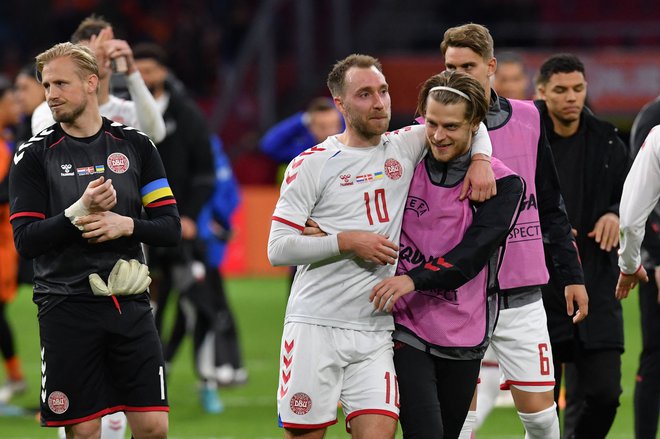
(96, 360)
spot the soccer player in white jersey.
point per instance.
(335, 346)
(641, 192)
(141, 112)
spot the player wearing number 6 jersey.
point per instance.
(521, 341)
(335, 347)
(77, 191)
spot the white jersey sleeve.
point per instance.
(150, 120)
(298, 195)
(42, 118)
(286, 246)
(641, 192)
(481, 143)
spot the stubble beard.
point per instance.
(361, 127)
(71, 116)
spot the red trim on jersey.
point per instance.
(369, 412)
(490, 364)
(107, 411)
(308, 426)
(154, 408)
(288, 223)
(625, 274)
(51, 146)
(30, 214)
(114, 137)
(161, 203)
(508, 383)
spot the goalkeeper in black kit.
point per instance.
(77, 192)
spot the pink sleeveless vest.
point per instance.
(516, 145)
(434, 222)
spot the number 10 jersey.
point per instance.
(346, 188)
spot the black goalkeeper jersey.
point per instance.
(51, 171)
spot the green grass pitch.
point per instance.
(250, 411)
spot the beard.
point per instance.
(363, 128)
(70, 116)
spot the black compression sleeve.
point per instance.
(162, 229)
(34, 237)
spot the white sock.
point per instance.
(541, 425)
(113, 426)
(487, 392)
(468, 425)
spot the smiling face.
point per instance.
(365, 102)
(448, 132)
(67, 93)
(564, 94)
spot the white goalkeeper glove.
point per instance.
(126, 278)
(75, 211)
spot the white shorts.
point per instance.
(321, 366)
(522, 346)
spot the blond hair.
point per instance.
(81, 56)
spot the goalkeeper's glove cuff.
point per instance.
(75, 211)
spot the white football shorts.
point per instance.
(522, 346)
(322, 365)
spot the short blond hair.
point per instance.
(82, 57)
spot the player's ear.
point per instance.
(339, 104)
(92, 83)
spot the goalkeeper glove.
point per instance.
(126, 278)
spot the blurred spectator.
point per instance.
(29, 94)
(592, 163)
(647, 385)
(188, 159)
(9, 118)
(511, 79)
(285, 140)
(215, 230)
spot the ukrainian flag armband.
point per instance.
(157, 193)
